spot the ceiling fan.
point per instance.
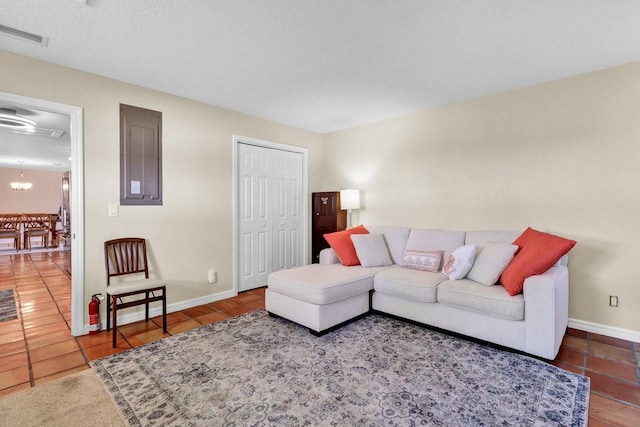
(9, 118)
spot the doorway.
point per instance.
(76, 196)
(270, 210)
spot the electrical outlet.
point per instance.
(211, 275)
(613, 301)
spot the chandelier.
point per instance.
(21, 185)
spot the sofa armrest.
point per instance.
(546, 311)
(328, 256)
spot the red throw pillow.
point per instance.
(341, 243)
(527, 236)
(538, 252)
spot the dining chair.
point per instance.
(36, 225)
(128, 257)
(10, 228)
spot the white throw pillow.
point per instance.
(460, 262)
(423, 260)
(491, 260)
(371, 249)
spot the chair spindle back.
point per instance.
(125, 256)
(10, 222)
(36, 221)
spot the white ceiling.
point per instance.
(330, 64)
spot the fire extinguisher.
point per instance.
(94, 314)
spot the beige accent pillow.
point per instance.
(371, 249)
(423, 260)
(491, 260)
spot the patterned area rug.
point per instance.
(255, 370)
(7, 305)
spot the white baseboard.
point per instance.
(157, 311)
(583, 325)
(611, 331)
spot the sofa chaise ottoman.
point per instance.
(320, 296)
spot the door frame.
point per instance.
(76, 197)
(236, 141)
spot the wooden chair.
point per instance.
(10, 228)
(128, 256)
(36, 225)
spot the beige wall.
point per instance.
(45, 195)
(192, 231)
(562, 157)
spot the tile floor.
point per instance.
(38, 347)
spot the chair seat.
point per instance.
(37, 232)
(133, 286)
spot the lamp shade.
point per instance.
(349, 199)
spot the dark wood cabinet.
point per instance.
(327, 217)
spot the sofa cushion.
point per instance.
(491, 300)
(491, 260)
(413, 284)
(538, 252)
(341, 243)
(426, 240)
(396, 238)
(322, 284)
(371, 250)
(460, 262)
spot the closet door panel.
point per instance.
(256, 222)
(288, 222)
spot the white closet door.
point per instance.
(287, 168)
(270, 205)
(255, 223)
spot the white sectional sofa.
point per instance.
(326, 295)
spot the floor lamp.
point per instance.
(349, 200)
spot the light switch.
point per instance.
(113, 210)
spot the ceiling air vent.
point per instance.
(23, 35)
(49, 133)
